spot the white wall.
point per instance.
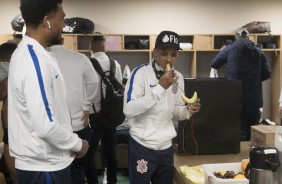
(153, 16)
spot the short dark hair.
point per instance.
(98, 38)
(33, 11)
(97, 43)
(7, 49)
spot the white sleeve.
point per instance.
(118, 72)
(91, 84)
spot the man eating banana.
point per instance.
(153, 97)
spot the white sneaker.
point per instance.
(105, 181)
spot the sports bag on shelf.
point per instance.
(258, 27)
(78, 25)
(111, 114)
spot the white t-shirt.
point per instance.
(81, 82)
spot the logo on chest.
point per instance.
(174, 88)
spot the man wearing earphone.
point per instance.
(152, 100)
(49, 26)
(40, 130)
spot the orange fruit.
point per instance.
(244, 164)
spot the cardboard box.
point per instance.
(210, 178)
(263, 134)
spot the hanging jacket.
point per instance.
(246, 62)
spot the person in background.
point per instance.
(122, 131)
(40, 132)
(246, 62)
(99, 132)
(81, 84)
(225, 43)
(152, 100)
(6, 51)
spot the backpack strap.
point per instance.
(97, 66)
(99, 69)
(113, 67)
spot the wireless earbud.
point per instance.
(49, 26)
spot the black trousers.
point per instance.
(78, 166)
(122, 137)
(249, 117)
(108, 138)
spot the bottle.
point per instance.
(264, 162)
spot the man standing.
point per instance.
(152, 99)
(246, 62)
(6, 51)
(40, 132)
(100, 132)
(81, 84)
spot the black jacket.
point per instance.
(245, 62)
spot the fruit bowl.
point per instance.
(210, 178)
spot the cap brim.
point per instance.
(169, 46)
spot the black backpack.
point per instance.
(111, 114)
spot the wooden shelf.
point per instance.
(195, 62)
(192, 63)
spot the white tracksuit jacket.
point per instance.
(150, 108)
(40, 132)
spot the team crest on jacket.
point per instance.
(174, 88)
(142, 166)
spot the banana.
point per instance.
(167, 67)
(189, 100)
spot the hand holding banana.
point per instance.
(193, 103)
(168, 78)
(194, 107)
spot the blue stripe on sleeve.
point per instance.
(131, 83)
(40, 81)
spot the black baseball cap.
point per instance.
(168, 39)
